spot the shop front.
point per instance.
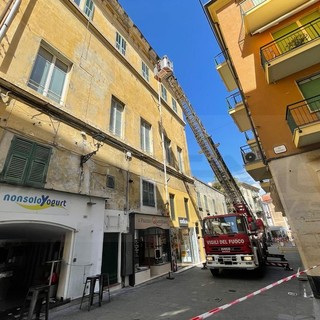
(183, 246)
(47, 238)
(151, 253)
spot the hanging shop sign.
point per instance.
(183, 222)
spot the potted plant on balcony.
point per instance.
(297, 40)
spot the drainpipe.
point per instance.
(6, 23)
(163, 146)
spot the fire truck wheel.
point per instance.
(215, 272)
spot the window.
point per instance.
(309, 88)
(172, 209)
(180, 159)
(199, 201)
(116, 117)
(145, 136)
(214, 206)
(110, 182)
(121, 44)
(167, 148)
(163, 92)
(148, 194)
(186, 207)
(145, 71)
(87, 6)
(206, 203)
(48, 75)
(27, 163)
(174, 105)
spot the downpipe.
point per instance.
(8, 20)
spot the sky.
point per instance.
(180, 30)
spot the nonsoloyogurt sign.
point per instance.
(35, 202)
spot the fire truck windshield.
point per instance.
(224, 225)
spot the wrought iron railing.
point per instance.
(219, 59)
(247, 5)
(290, 41)
(303, 112)
(233, 100)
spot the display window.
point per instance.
(151, 247)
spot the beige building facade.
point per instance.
(93, 152)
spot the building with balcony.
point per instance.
(271, 49)
(93, 178)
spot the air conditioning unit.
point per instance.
(250, 157)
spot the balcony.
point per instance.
(225, 72)
(253, 162)
(303, 118)
(259, 13)
(238, 112)
(293, 52)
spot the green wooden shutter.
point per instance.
(27, 163)
(38, 165)
(17, 161)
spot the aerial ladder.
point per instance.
(164, 73)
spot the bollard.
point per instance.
(170, 277)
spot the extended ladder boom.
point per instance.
(208, 147)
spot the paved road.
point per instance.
(194, 291)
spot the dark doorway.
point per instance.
(110, 256)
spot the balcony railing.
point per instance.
(303, 112)
(250, 154)
(219, 59)
(290, 41)
(233, 100)
(248, 5)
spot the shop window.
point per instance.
(27, 163)
(151, 248)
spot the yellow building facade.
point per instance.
(270, 62)
(94, 166)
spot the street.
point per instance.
(195, 291)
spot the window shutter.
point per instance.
(17, 161)
(39, 165)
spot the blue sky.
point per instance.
(180, 30)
